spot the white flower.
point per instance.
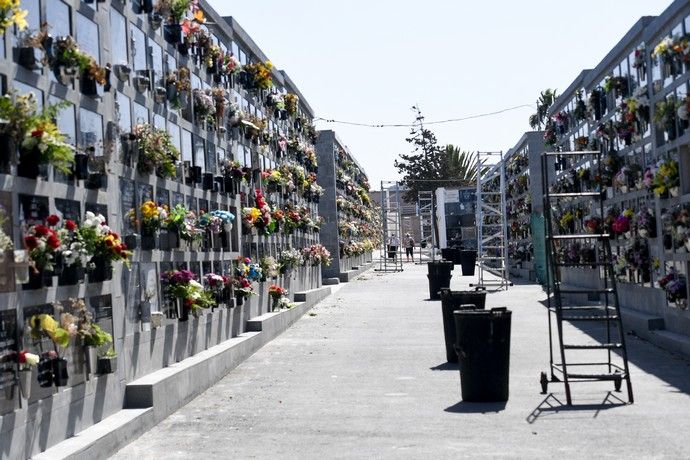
(31, 359)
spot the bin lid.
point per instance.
(497, 311)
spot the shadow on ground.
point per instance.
(552, 405)
(464, 407)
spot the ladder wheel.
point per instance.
(617, 384)
(544, 383)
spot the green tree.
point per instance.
(431, 166)
(546, 100)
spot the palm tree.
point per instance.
(461, 166)
(546, 100)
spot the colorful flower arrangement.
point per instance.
(183, 284)
(316, 254)
(646, 223)
(258, 75)
(591, 224)
(67, 53)
(666, 178)
(289, 259)
(156, 151)
(11, 14)
(277, 293)
(216, 283)
(622, 223)
(102, 242)
(674, 285)
(43, 243)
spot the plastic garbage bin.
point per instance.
(468, 260)
(483, 346)
(448, 254)
(439, 277)
(451, 301)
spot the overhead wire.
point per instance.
(436, 122)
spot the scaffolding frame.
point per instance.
(425, 211)
(391, 224)
(491, 220)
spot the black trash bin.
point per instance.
(483, 346)
(468, 259)
(451, 301)
(439, 277)
(448, 254)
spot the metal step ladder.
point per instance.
(492, 225)
(425, 211)
(574, 362)
(390, 217)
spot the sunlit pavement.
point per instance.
(364, 376)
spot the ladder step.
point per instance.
(612, 376)
(587, 291)
(579, 236)
(590, 318)
(598, 346)
(574, 194)
(587, 308)
(581, 153)
(582, 264)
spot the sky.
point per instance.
(371, 61)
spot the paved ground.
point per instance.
(365, 378)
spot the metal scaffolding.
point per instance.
(390, 218)
(492, 227)
(425, 211)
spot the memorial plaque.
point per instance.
(211, 160)
(33, 209)
(162, 197)
(68, 209)
(102, 307)
(177, 198)
(144, 192)
(127, 201)
(191, 203)
(8, 347)
(96, 208)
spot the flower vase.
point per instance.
(8, 151)
(674, 191)
(88, 85)
(670, 128)
(25, 382)
(29, 163)
(39, 280)
(181, 310)
(71, 275)
(29, 57)
(60, 375)
(239, 299)
(274, 304)
(101, 269)
(148, 240)
(668, 241)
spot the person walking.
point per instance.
(409, 247)
(393, 243)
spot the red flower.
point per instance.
(70, 225)
(22, 357)
(109, 243)
(31, 242)
(40, 230)
(53, 241)
(115, 235)
(37, 133)
(53, 220)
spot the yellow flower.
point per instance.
(19, 18)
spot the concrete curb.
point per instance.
(349, 275)
(152, 398)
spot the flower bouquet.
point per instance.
(276, 293)
(43, 244)
(591, 224)
(52, 369)
(157, 153)
(316, 254)
(182, 287)
(289, 259)
(646, 223)
(104, 245)
(675, 286)
(666, 179)
(218, 285)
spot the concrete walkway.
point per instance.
(365, 377)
